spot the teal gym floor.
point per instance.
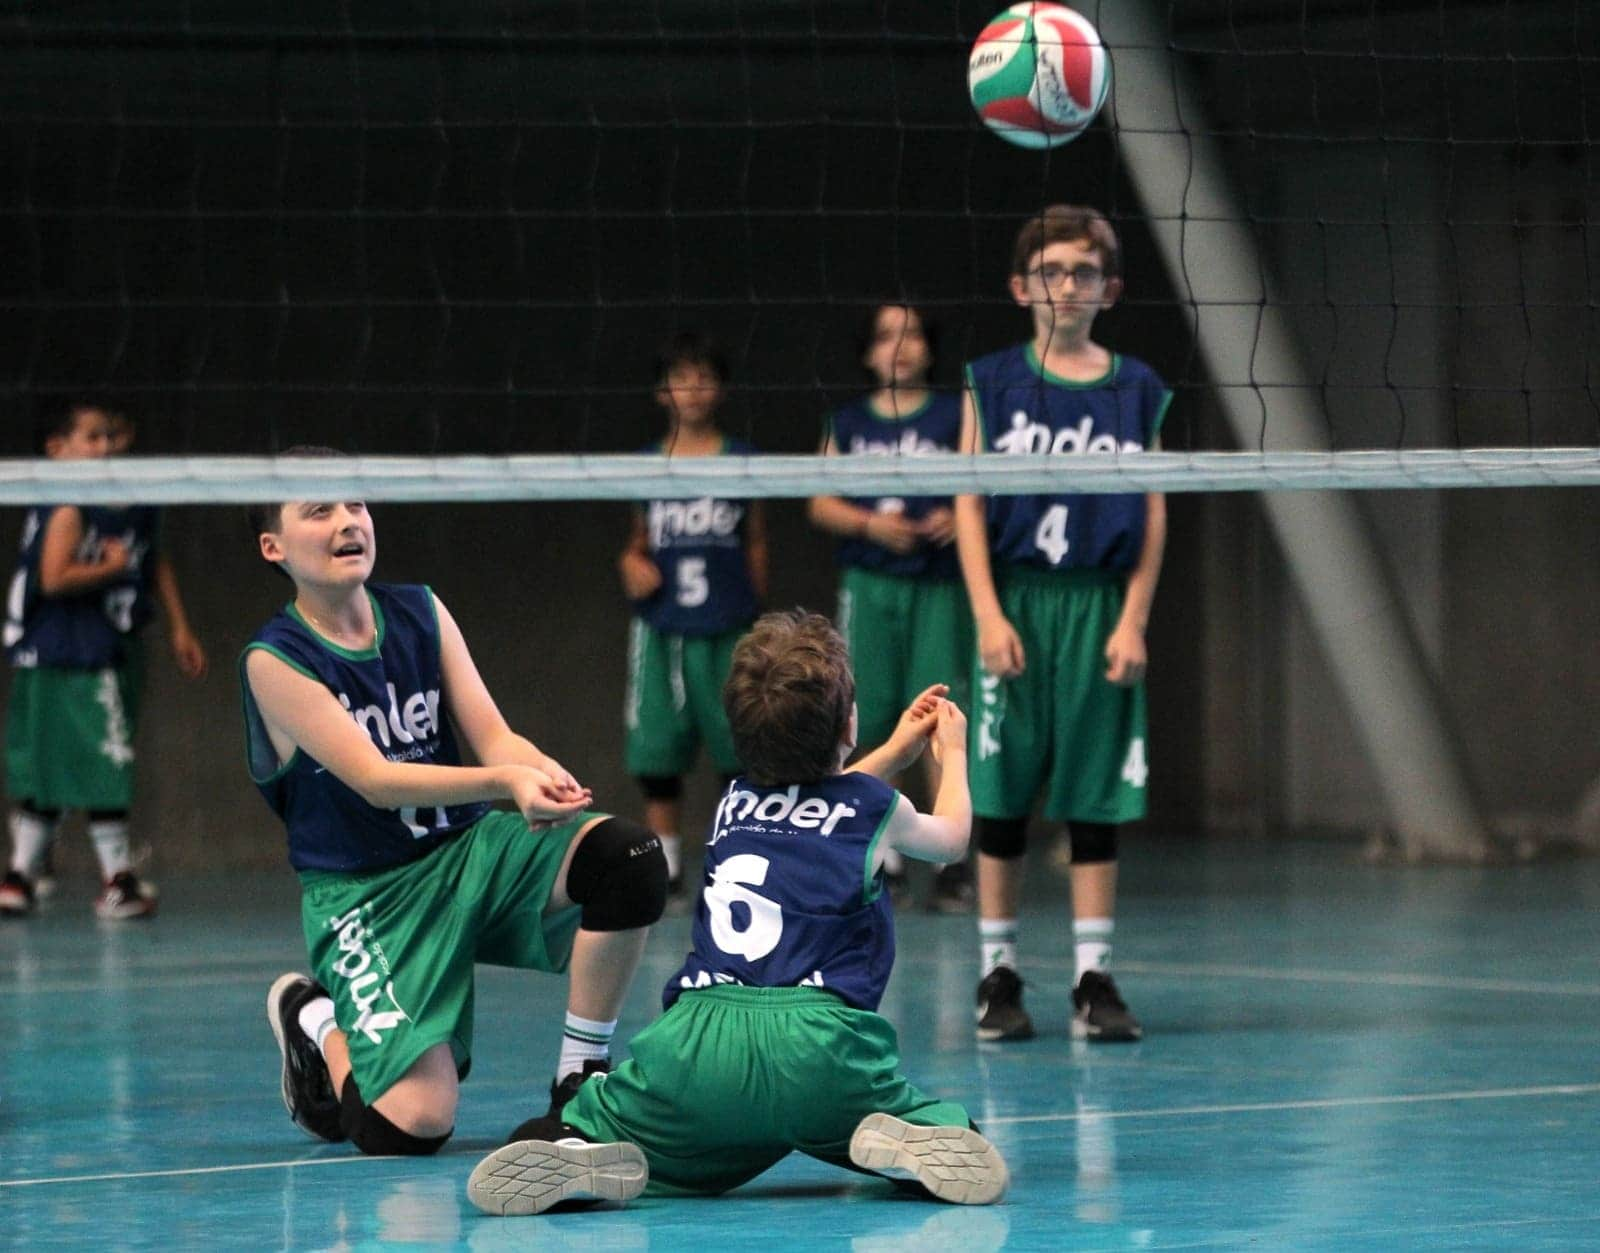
(1336, 1056)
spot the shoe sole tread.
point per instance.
(956, 1164)
(530, 1176)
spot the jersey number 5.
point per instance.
(759, 936)
(693, 586)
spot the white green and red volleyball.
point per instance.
(1038, 74)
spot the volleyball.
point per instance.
(1038, 74)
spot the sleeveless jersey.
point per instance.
(790, 898)
(90, 630)
(393, 692)
(934, 428)
(699, 546)
(1023, 411)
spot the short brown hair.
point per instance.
(1067, 223)
(263, 516)
(788, 696)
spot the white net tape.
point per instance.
(238, 480)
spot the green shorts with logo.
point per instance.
(69, 736)
(731, 1080)
(395, 948)
(904, 634)
(1059, 726)
(674, 701)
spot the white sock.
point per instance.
(1091, 944)
(30, 837)
(893, 863)
(111, 846)
(583, 1040)
(316, 1019)
(998, 938)
(672, 849)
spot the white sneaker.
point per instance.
(954, 1163)
(529, 1176)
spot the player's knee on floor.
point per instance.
(1005, 838)
(660, 787)
(374, 1134)
(619, 875)
(1092, 842)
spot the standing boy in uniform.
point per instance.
(695, 572)
(81, 593)
(1061, 588)
(902, 608)
(771, 1042)
(353, 696)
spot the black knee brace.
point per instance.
(374, 1134)
(1005, 838)
(660, 787)
(38, 811)
(1092, 841)
(619, 875)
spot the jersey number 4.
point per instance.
(1051, 537)
(728, 887)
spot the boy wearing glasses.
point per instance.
(1061, 587)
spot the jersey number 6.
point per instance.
(759, 936)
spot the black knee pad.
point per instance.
(1005, 838)
(619, 876)
(1092, 841)
(107, 815)
(39, 811)
(660, 787)
(374, 1134)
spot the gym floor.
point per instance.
(1336, 1056)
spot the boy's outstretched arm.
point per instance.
(60, 571)
(999, 646)
(940, 836)
(186, 650)
(899, 752)
(302, 713)
(478, 718)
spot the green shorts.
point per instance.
(674, 701)
(395, 948)
(69, 737)
(904, 634)
(731, 1080)
(1059, 725)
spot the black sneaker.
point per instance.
(565, 1089)
(1100, 1015)
(308, 1092)
(953, 892)
(16, 894)
(1000, 1012)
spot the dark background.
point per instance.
(467, 228)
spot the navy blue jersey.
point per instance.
(89, 630)
(791, 899)
(699, 546)
(933, 429)
(1025, 411)
(392, 690)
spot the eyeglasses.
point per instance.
(1081, 275)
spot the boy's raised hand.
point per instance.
(917, 723)
(543, 800)
(949, 733)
